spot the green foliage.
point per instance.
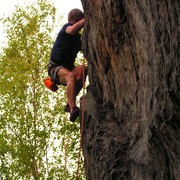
(37, 141)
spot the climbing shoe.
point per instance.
(67, 108)
(74, 114)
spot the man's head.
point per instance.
(75, 15)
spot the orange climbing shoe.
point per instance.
(74, 114)
(50, 84)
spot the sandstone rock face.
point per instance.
(132, 108)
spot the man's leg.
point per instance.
(67, 78)
(74, 82)
(78, 72)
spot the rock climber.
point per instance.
(61, 68)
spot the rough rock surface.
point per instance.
(132, 108)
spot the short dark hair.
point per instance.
(75, 15)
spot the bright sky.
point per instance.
(63, 7)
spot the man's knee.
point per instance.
(82, 69)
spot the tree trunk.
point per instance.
(131, 126)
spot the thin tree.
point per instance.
(32, 121)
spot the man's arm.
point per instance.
(75, 27)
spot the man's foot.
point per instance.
(67, 108)
(74, 114)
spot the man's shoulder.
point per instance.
(63, 29)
